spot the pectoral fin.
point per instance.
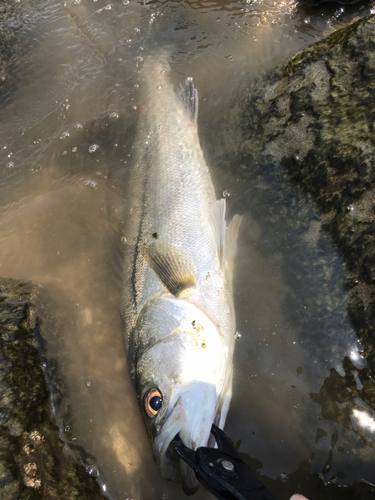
(172, 265)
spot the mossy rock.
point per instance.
(34, 462)
(14, 30)
(314, 115)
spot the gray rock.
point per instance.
(314, 116)
(16, 42)
(305, 131)
(34, 461)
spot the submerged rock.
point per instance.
(34, 460)
(314, 116)
(311, 121)
(13, 14)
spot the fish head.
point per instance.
(183, 375)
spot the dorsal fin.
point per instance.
(189, 97)
(172, 265)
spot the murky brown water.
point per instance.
(65, 146)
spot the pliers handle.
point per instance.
(222, 471)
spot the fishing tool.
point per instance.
(222, 471)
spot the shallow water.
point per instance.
(66, 134)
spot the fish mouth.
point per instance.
(194, 428)
(172, 467)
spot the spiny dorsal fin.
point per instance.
(226, 238)
(172, 265)
(189, 97)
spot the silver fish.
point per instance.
(177, 307)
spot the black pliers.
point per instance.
(222, 471)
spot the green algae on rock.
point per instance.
(314, 115)
(310, 121)
(34, 462)
(12, 21)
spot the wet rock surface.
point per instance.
(12, 19)
(310, 121)
(35, 463)
(314, 116)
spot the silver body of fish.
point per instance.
(177, 306)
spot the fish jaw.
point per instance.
(191, 418)
(187, 360)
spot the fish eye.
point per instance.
(153, 402)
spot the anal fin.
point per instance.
(189, 97)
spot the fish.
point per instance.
(177, 309)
